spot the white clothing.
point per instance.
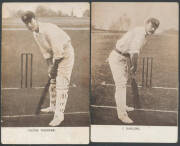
(55, 43)
(130, 43)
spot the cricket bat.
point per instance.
(135, 93)
(42, 98)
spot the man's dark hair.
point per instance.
(27, 17)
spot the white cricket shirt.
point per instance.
(52, 40)
(132, 41)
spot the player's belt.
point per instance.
(123, 54)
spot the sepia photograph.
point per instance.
(45, 73)
(134, 71)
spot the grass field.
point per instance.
(161, 98)
(18, 108)
(22, 102)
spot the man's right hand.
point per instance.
(52, 71)
(52, 68)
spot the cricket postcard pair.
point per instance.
(81, 72)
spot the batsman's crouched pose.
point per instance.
(56, 48)
(128, 47)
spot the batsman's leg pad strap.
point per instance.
(61, 100)
(52, 92)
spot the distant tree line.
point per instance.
(42, 11)
(122, 23)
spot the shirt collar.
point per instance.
(146, 34)
(40, 28)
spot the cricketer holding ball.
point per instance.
(128, 47)
(56, 48)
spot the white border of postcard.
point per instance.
(45, 135)
(153, 134)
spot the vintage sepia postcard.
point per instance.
(134, 72)
(45, 73)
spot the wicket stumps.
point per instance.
(26, 70)
(147, 64)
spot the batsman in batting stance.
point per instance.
(55, 46)
(127, 50)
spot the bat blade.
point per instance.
(135, 93)
(42, 98)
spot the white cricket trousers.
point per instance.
(119, 69)
(59, 92)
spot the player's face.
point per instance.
(32, 25)
(149, 28)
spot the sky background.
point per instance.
(78, 8)
(104, 14)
